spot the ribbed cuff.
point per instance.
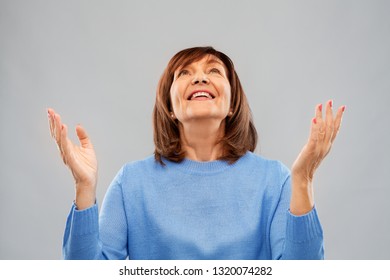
(303, 228)
(85, 221)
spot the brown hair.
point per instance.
(240, 132)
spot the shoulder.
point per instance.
(145, 165)
(252, 158)
(268, 167)
(138, 172)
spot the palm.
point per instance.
(82, 162)
(81, 159)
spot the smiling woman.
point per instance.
(204, 194)
(200, 92)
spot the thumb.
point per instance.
(83, 137)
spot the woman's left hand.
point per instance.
(323, 132)
(322, 135)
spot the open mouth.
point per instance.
(201, 95)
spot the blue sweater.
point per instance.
(195, 210)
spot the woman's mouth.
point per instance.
(201, 95)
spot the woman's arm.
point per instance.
(322, 135)
(85, 236)
(294, 237)
(88, 236)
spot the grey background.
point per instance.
(98, 63)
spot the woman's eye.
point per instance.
(215, 70)
(182, 72)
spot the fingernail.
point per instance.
(331, 103)
(314, 120)
(320, 107)
(343, 108)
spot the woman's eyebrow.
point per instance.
(209, 61)
(212, 61)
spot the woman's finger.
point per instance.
(337, 122)
(318, 113)
(83, 137)
(65, 143)
(313, 138)
(329, 124)
(57, 132)
(320, 125)
(57, 128)
(51, 121)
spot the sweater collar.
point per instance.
(203, 167)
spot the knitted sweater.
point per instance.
(195, 210)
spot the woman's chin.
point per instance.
(204, 116)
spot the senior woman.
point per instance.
(204, 194)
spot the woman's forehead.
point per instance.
(206, 59)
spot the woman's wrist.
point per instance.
(302, 196)
(85, 197)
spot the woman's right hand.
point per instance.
(81, 160)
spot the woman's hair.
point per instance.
(240, 132)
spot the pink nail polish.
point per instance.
(331, 103)
(314, 120)
(320, 107)
(343, 108)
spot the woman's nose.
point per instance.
(200, 78)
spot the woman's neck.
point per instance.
(200, 139)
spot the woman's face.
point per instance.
(201, 91)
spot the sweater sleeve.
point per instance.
(88, 236)
(295, 237)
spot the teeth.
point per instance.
(201, 93)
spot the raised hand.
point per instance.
(81, 159)
(323, 132)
